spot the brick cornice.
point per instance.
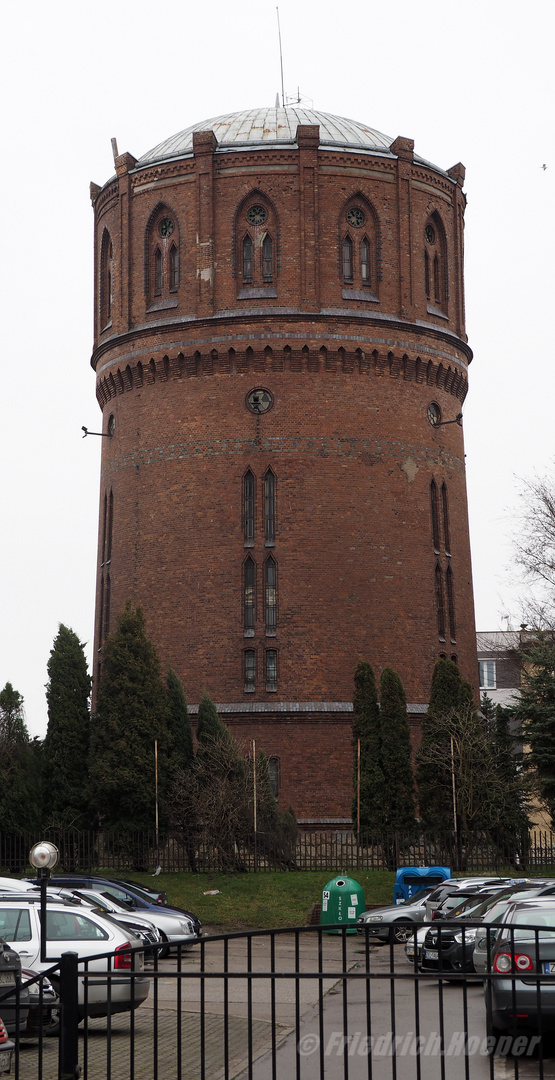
(123, 344)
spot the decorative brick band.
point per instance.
(371, 450)
(339, 361)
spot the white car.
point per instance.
(74, 927)
(12, 884)
(142, 928)
(174, 928)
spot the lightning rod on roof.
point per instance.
(280, 60)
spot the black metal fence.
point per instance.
(312, 850)
(311, 1003)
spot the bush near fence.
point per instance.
(313, 850)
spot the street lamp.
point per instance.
(44, 857)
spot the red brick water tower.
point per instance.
(281, 362)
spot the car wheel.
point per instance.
(402, 932)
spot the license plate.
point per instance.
(7, 978)
(549, 967)
(5, 1060)
(431, 954)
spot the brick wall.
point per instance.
(351, 372)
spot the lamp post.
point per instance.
(44, 857)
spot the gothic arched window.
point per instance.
(435, 263)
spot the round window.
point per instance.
(259, 400)
(434, 413)
(430, 234)
(355, 216)
(111, 424)
(256, 215)
(166, 227)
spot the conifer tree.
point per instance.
(209, 725)
(19, 767)
(131, 713)
(66, 746)
(180, 732)
(396, 755)
(534, 716)
(366, 728)
(450, 696)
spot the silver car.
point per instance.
(396, 921)
(173, 928)
(523, 998)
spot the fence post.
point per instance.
(68, 1061)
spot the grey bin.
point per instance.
(342, 903)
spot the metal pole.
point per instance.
(68, 1059)
(43, 878)
(358, 791)
(156, 795)
(254, 799)
(453, 788)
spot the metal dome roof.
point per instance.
(266, 127)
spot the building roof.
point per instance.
(255, 128)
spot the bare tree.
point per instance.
(535, 550)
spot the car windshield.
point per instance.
(417, 898)
(532, 917)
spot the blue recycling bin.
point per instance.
(410, 880)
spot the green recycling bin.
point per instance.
(342, 903)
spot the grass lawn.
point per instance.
(261, 900)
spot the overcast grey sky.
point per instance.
(471, 83)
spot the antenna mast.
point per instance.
(280, 60)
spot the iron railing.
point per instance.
(311, 850)
(310, 1003)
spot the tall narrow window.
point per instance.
(269, 508)
(348, 259)
(250, 669)
(267, 258)
(101, 613)
(271, 669)
(440, 603)
(435, 515)
(427, 273)
(437, 281)
(104, 526)
(248, 503)
(249, 595)
(107, 591)
(158, 264)
(451, 604)
(174, 268)
(365, 261)
(270, 596)
(247, 259)
(110, 528)
(273, 774)
(445, 509)
(106, 280)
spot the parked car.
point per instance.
(89, 881)
(170, 925)
(12, 884)
(493, 913)
(7, 1048)
(43, 1017)
(452, 885)
(523, 999)
(452, 947)
(73, 926)
(13, 1007)
(131, 896)
(395, 921)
